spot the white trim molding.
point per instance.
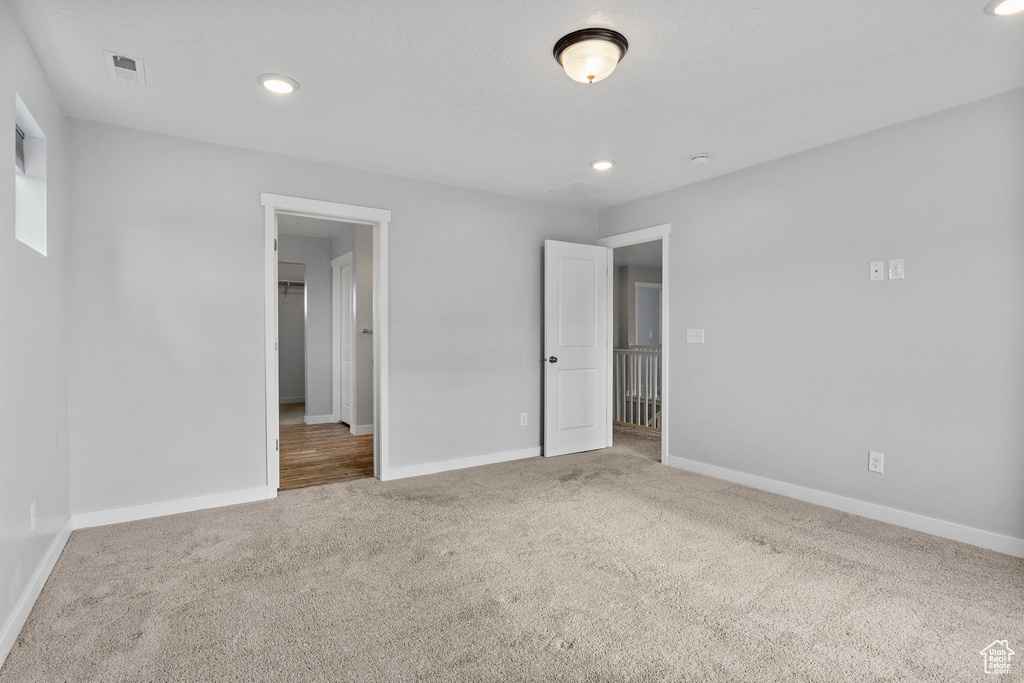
(361, 430)
(84, 520)
(909, 520)
(23, 607)
(625, 239)
(318, 419)
(461, 463)
(380, 219)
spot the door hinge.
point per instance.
(275, 345)
(277, 444)
(275, 244)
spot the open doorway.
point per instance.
(639, 332)
(637, 348)
(326, 370)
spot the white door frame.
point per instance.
(338, 329)
(658, 232)
(274, 204)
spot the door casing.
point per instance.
(379, 219)
(658, 232)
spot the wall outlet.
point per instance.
(875, 461)
(695, 336)
(522, 419)
(896, 269)
(32, 517)
(877, 270)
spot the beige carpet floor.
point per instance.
(602, 566)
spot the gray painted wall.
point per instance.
(344, 241)
(33, 336)
(624, 306)
(161, 222)
(315, 254)
(291, 335)
(358, 239)
(808, 365)
(635, 274)
(363, 278)
(648, 316)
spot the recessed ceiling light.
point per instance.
(1001, 8)
(700, 159)
(602, 164)
(590, 54)
(275, 83)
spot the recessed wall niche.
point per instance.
(29, 179)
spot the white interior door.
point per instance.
(576, 338)
(344, 340)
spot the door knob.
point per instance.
(552, 359)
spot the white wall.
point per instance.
(160, 222)
(33, 342)
(808, 365)
(291, 335)
(315, 254)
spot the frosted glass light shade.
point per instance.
(278, 84)
(590, 54)
(1001, 8)
(590, 61)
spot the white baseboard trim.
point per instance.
(459, 463)
(910, 520)
(83, 520)
(360, 430)
(292, 399)
(318, 419)
(28, 597)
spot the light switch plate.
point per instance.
(695, 336)
(877, 271)
(896, 269)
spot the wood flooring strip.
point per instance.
(313, 455)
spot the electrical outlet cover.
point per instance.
(896, 269)
(877, 271)
(876, 461)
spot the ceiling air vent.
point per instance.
(124, 68)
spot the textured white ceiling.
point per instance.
(466, 92)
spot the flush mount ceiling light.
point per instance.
(1001, 8)
(591, 54)
(275, 83)
(602, 164)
